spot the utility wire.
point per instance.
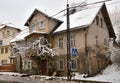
(65, 10)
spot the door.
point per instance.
(44, 67)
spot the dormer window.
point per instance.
(42, 25)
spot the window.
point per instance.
(96, 40)
(4, 62)
(3, 33)
(60, 42)
(73, 64)
(105, 42)
(33, 28)
(29, 64)
(1, 42)
(72, 38)
(8, 32)
(42, 25)
(23, 66)
(2, 50)
(6, 50)
(97, 20)
(61, 64)
(101, 21)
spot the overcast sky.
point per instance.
(18, 11)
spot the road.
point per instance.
(7, 82)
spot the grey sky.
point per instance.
(18, 11)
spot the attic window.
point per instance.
(97, 20)
(101, 21)
(42, 25)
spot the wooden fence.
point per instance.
(7, 68)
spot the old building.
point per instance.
(7, 33)
(90, 31)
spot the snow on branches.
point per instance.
(41, 47)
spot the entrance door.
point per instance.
(44, 67)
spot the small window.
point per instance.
(33, 28)
(61, 64)
(23, 65)
(101, 23)
(29, 64)
(4, 62)
(42, 25)
(3, 33)
(72, 38)
(105, 42)
(2, 50)
(96, 40)
(73, 64)
(60, 42)
(97, 20)
(6, 50)
(8, 32)
(1, 42)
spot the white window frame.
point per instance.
(72, 41)
(42, 25)
(23, 65)
(72, 66)
(60, 64)
(29, 63)
(60, 42)
(33, 28)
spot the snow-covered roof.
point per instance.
(81, 18)
(36, 32)
(9, 25)
(21, 36)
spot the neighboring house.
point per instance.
(7, 33)
(90, 32)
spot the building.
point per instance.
(90, 32)
(7, 33)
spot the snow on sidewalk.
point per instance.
(110, 74)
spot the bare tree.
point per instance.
(115, 17)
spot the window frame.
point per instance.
(1, 42)
(101, 22)
(42, 25)
(29, 64)
(97, 20)
(73, 67)
(72, 41)
(61, 66)
(2, 50)
(60, 42)
(6, 49)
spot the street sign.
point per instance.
(74, 51)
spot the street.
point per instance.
(7, 82)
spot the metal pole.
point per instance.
(68, 46)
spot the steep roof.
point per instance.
(21, 36)
(38, 11)
(85, 17)
(9, 25)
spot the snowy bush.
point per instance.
(115, 54)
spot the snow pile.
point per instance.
(110, 74)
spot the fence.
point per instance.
(7, 68)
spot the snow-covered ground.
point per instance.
(110, 74)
